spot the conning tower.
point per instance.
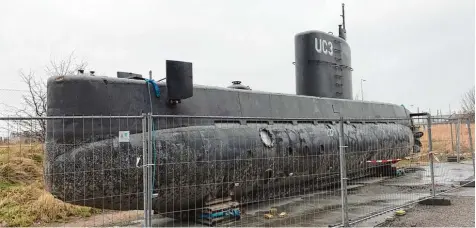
(323, 64)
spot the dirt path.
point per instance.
(111, 218)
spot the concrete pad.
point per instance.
(437, 201)
(467, 183)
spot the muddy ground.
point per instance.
(323, 208)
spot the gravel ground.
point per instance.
(459, 214)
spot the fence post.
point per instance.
(343, 175)
(458, 139)
(145, 170)
(452, 139)
(468, 125)
(150, 165)
(430, 154)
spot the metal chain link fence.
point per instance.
(158, 170)
(445, 162)
(81, 174)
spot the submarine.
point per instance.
(212, 142)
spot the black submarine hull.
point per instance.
(201, 163)
(199, 159)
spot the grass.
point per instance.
(23, 199)
(442, 142)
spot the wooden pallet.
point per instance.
(223, 205)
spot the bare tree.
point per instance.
(67, 66)
(35, 100)
(467, 103)
(34, 105)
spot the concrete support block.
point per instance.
(437, 201)
(467, 183)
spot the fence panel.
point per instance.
(262, 172)
(384, 172)
(430, 172)
(84, 173)
(454, 161)
(447, 132)
(12, 102)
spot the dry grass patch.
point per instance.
(442, 140)
(23, 200)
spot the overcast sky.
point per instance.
(410, 52)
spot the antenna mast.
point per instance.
(342, 31)
(343, 16)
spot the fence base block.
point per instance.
(467, 183)
(454, 158)
(438, 201)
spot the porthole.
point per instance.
(266, 137)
